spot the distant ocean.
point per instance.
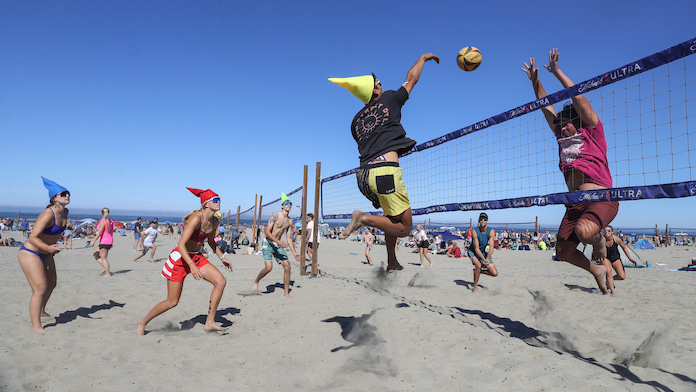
(31, 216)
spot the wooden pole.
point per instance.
(256, 244)
(303, 245)
(18, 211)
(253, 228)
(315, 250)
(666, 235)
(536, 225)
(238, 209)
(229, 212)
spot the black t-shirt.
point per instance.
(377, 127)
(138, 227)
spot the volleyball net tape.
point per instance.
(648, 108)
(269, 208)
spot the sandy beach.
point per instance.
(540, 326)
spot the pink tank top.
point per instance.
(586, 151)
(107, 236)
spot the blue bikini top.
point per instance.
(55, 229)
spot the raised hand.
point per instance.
(553, 61)
(531, 70)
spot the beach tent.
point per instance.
(643, 244)
(587, 251)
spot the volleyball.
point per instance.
(218, 215)
(469, 58)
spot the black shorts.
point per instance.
(310, 245)
(105, 246)
(424, 244)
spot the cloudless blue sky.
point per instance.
(127, 103)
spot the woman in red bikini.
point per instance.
(186, 258)
(36, 255)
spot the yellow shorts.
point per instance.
(382, 183)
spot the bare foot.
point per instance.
(354, 224)
(255, 287)
(214, 328)
(475, 289)
(288, 295)
(141, 328)
(599, 249)
(40, 329)
(599, 273)
(107, 275)
(44, 315)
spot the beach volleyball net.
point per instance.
(648, 108)
(270, 207)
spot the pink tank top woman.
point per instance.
(107, 236)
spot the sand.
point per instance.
(540, 326)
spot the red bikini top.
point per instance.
(199, 235)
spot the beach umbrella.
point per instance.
(118, 224)
(88, 220)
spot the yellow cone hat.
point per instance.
(360, 86)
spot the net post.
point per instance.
(303, 245)
(666, 235)
(315, 250)
(237, 223)
(253, 228)
(256, 244)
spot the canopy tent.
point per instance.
(83, 224)
(324, 230)
(643, 244)
(587, 251)
(446, 235)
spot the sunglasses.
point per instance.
(287, 203)
(64, 194)
(215, 200)
(483, 219)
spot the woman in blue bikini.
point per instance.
(36, 255)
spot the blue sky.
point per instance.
(127, 103)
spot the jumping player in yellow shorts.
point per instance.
(381, 141)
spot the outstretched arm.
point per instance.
(533, 74)
(581, 104)
(415, 72)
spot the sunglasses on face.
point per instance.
(483, 219)
(215, 200)
(287, 203)
(64, 194)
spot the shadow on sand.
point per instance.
(356, 330)
(71, 315)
